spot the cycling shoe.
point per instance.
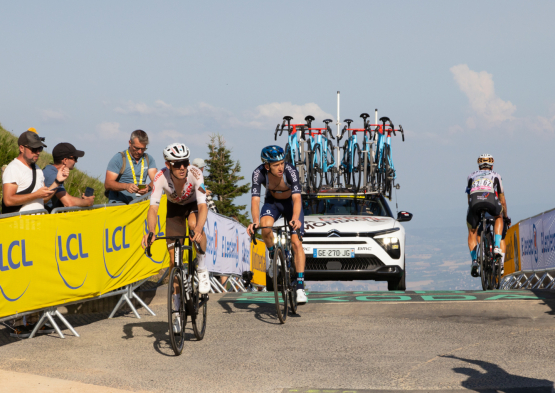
(474, 270)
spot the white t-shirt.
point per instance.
(20, 174)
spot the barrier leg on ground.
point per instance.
(217, 287)
(540, 282)
(49, 314)
(130, 295)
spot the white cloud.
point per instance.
(160, 108)
(110, 130)
(478, 87)
(52, 116)
(271, 114)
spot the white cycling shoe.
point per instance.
(497, 251)
(301, 296)
(177, 325)
(203, 282)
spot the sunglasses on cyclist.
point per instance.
(35, 149)
(178, 164)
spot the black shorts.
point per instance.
(482, 201)
(277, 208)
(176, 219)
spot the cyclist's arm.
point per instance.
(255, 209)
(504, 204)
(498, 183)
(152, 218)
(297, 206)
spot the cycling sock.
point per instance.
(271, 251)
(497, 241)
(473, 254)
(200, 261)
(300, 280)
(176, 301)
(502, 258)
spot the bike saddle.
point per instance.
(385, 119)
(309, 118)
(348, 121)
(327, 121)
(288, 118)
(365, 116)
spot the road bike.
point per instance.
(321, 153)
(182, 281)
(351, 165)
(293, 148)
(385, 170)
(284, 276)
(490, 264)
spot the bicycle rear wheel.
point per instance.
(330, 161)
(485, 265)
(177, 339)
(496, 276)
(346, 163)
(200, 304)
(280, 285)
(357, 167)
(317, 172)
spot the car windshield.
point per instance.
(344, 206)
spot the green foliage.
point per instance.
(224, 178)
(76, 182)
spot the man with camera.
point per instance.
(65, 157)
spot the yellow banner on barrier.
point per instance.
(53, 259)
(512, 253)
(258, 263)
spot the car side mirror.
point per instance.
(404, 216)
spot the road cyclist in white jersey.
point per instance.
(485, 192)
(184, 187)
(283, 198)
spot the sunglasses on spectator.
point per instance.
(72, 158)
(178, 164)
(139, 148)
(35, 149)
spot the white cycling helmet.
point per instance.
(485, 161)
(176, 152)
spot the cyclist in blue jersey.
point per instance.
(283, 198)
(485, 192)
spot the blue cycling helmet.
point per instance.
(272, 154)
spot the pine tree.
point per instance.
(224, 178)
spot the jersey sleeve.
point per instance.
(500, 189)
(115, 164)
(257, 181)
(292, 176)
(200, 189)
(158, 188)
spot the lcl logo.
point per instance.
(70, 254)
(14, 262)
(71, 248)
(116, 244)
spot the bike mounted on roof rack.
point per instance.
(368, 169)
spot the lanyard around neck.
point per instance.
(133, 168)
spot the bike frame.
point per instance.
(318, 137)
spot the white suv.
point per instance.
(353, 237)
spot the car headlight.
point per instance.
(275, 239)
(391, 245)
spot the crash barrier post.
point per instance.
(530, 255)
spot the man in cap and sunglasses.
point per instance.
(23, 181)
(65, 156)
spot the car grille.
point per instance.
(365, 263)
(333, 243)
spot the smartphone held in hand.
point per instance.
(89, 191)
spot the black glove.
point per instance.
(507, 221)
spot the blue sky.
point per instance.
(461, 77)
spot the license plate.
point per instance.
(333, 253)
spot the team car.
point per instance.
(353, 237)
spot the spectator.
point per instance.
(65, 156)
(127, 171)
(200, 164)
(23, 181)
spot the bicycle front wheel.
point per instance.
(200, 304)
(292, 280)
(330, 164)
(357, 167)
(317, 168)
(347, 164)
(177, 314)
(280, 285)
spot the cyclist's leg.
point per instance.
(202, 270)
(175, 226)
(268, 215)
(286, 208)
(496, 210)
(472, 219)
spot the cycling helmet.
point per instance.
(272, 154)
(176, 152)
(485, 161)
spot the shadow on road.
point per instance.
(159, 331)
(495, 376)
(264, 312)
(548, 302)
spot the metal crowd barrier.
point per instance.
(529, 280)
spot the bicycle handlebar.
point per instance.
(385, 120)
(402, 132)
(274, 229)
(150, 242)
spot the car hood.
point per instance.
(323, 224)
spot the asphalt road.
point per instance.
(363, 342)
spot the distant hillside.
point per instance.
(75, 184)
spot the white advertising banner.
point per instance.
(547, 239)
(228, 245)
(526, 245)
